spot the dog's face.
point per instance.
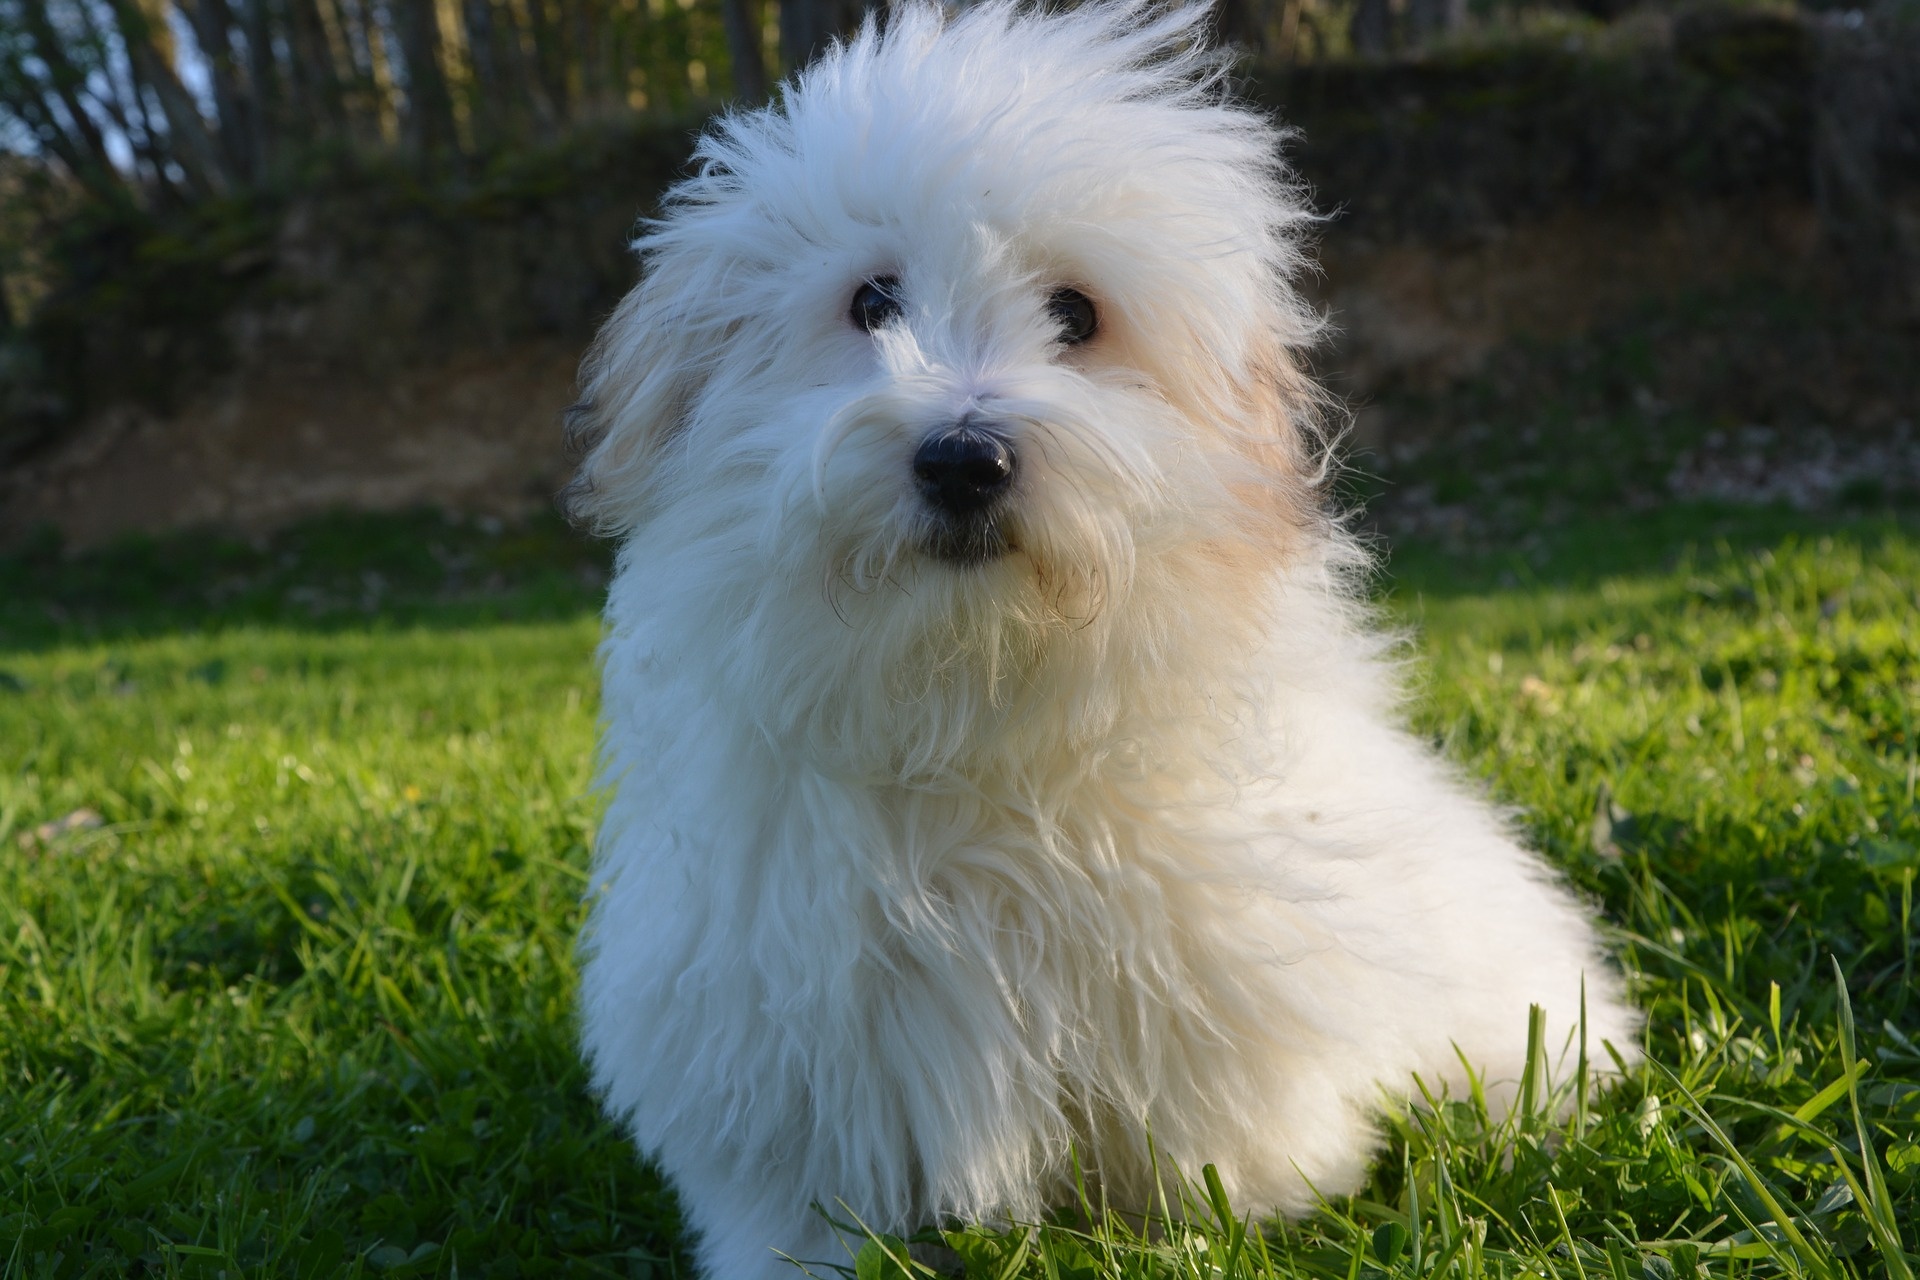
(948, 364)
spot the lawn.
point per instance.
(292, 836)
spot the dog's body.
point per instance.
(1004, 774)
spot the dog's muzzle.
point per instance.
(964, 474)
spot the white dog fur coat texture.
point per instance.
(1005, 776)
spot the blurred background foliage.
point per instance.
(377, 183)
(172, 101)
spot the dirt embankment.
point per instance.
(377, 349)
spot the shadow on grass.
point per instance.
(352, 572)
(1583, 552)
(343, 572)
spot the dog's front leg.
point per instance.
(754, 1224)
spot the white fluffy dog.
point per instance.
(1004, 774)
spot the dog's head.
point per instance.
(983, 337)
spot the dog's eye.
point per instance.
(876, 303)
(1073, 311)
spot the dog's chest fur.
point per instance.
(1062, 958)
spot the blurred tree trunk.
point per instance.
(372, 106)
(1428, 20)
(191, 144)
(213, 29)
(742, 21)
(319, 99)
(117, 91)
(486, 86)
(77, 140)
(429, 108)
(1239, 23)
(1372, 28)
(268, 120)
(807, 27)
(1287, 47)
(586, 54)
(521, 44)
(548, 61)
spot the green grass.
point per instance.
(290, 858)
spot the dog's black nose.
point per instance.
(963, 470)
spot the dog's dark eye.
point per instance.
(1073, 311)
(876, 303)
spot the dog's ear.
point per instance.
(637, 383)
(1280, 431)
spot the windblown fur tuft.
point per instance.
(926, 874)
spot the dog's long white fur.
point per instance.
(921, 881)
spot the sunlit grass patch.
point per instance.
(294, 988)
(288, 890)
